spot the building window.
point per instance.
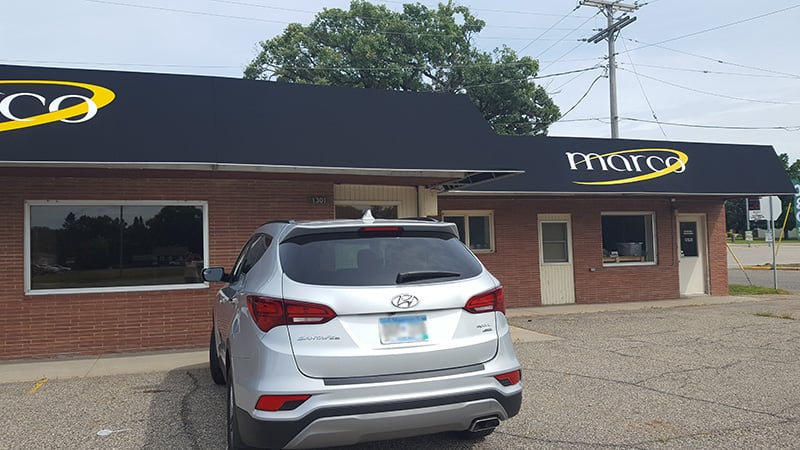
(555, 244)
(355, 211)
(114, 246)
(628, 238)
(475, 228)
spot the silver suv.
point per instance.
(345, 331)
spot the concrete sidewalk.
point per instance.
(22, 371)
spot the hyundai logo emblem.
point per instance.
(405, 301)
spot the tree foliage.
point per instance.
(418, 49)
(735, 216)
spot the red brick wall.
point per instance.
(516, 258)
(46, 325)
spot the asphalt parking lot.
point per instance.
(722, 376)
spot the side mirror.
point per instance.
(213, 274)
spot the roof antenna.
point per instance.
(367, 217)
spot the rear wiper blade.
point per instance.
(407, 277)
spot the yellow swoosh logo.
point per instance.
(681, 162)
(100, 96)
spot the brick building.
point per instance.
(117, 188)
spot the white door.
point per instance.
(693, 270)
(556, 274)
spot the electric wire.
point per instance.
(708, 30)
(282, 22)
(731, 97)
(566, 35)
(106, 63)
(719, 127)
(713, 72)
(551, 27)
(186, 11)
(537, 77)
(582, 97)
(717, 60)
(502, 11)
(641, 86)
(790, 128)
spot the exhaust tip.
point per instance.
(486, 423)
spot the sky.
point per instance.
(707, 71)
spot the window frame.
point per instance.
(91, 290)
(466, 214)
(567, 241)
(654, 237)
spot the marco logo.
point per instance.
(628, 166)
(28, 108)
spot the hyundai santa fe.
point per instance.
(337, 332)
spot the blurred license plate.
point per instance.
(400, 329)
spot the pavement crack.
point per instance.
(185, 414)
(671, 394)
(566, 442)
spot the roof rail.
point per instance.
(421, 219)
(278, 221)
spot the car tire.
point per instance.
(213, 361)
(234, 440)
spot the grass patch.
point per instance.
(743, 289)
(773, 315)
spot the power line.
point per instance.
(283, 22)
(715, 72)
(502, 11)
(106, 63)
(566, 35)
(720, 127)
(717, 60)
(790, 128)
(561, 86)
(641, 86)
(538, 77)
(708, 30)
(186, 11)
(545, 31)
(771, 102)
(582, 97)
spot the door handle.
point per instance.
(223, 298)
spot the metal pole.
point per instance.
(747, 212)
(774, 266)
(612, 75)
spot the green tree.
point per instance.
(793, 171)
(418, 49)
(734, 208)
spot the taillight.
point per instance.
(280, 402)
(487, 301)
(380, 231)
(509, 378)
(269, 313)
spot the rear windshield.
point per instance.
(356, 259)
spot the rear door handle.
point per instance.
(223, 298)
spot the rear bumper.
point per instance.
(347, 425)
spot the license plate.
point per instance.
(402, 329)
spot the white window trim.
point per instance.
(474, 213)
(154, 287)
(652, 214)
(567, 220)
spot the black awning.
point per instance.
(179, 121)
(560, 165)
(150, 118)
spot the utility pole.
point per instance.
(609, 8)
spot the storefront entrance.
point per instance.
(693, 270)
(557, 278)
